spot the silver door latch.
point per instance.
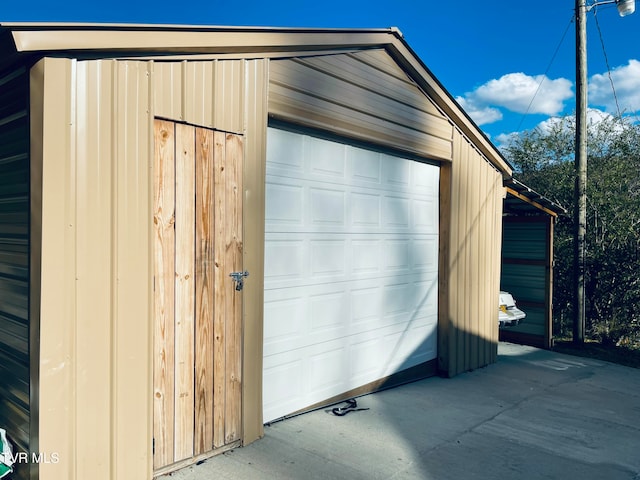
(238, 277)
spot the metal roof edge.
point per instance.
(185, 27)
(48, 37)
(530, 196)
(448, 103)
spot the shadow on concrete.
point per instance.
(534, 414)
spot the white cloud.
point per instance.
(522, 93)
(504, 138)
(481, 114)
(626, 80)
(518, 93)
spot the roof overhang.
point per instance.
(522, 200)
(36, 40)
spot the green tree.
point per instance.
(543, 159)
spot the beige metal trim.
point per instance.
(192, 40)
(242, 56)
(57, 246)
(524, 198)
(36, 81)
(257, 84)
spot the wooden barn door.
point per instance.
(197, 310)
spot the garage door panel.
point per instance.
(366, 305)
(411, 350)
(298, 259)
(395, 171)
(366, 169)
(395, 212)
(284, 315)
(328, 258)
(285, 205)
(327, 208)
(284, 259)
(328, 311)
(285, 151)
(350, 271)
(366, 210)
(365, 256)
(425, 258)
(323, 367)
(299, 317)
(309, 208)
(284, 379)
(425, 215)
(324, 158)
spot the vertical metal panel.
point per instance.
(95, 288)
(229, 96)
(52, 256)
(167, 90)
(364, 96)
(256, 72)
(131, 276)
(14, 264)
(199, 99)
(474, 259)
(208, 93)
(94, 170)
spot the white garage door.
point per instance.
(351, 269)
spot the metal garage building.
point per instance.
(142, 165)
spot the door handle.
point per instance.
(238, 278)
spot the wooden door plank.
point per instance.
(184, 290)
(233, 301)
(164, 268)
(222, 283)
(203, 441)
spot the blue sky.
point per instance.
(492, 55)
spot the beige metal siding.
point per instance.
(363, 96)
(468, 325)
(95, 288)
(92, 223)
(208, 93)
(14, 260)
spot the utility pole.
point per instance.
(580, 213)
(625, 7)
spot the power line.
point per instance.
(555, 53)
(606, 60)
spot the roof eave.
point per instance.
(30, 37)
(46, 38)
(432, 86)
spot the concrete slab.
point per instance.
(534, 414)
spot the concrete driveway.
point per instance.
(534, 414)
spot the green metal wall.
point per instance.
(14, 256)
(526, 274)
